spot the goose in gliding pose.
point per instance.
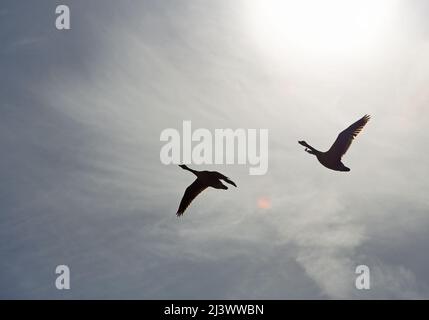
(204, 180)
(332, 158)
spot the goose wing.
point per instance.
(190, 194)
(220, 176)
(228, 180)
(346, 137)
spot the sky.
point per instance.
(82, 183)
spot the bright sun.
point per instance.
(328, 27)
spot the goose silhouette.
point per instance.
(204, 180)
(332, 158)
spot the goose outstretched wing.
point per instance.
(220, 176)
(345, 138)
(190, 194)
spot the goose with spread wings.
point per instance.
(332, 158)
(204, 180)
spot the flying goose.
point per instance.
(332, 158)
(204, 180)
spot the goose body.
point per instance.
(331, 159)
(204, 180)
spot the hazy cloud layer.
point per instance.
(82, 183)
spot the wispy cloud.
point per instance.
(85, 186)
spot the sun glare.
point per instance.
(328, 27)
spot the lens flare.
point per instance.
(264, 203)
